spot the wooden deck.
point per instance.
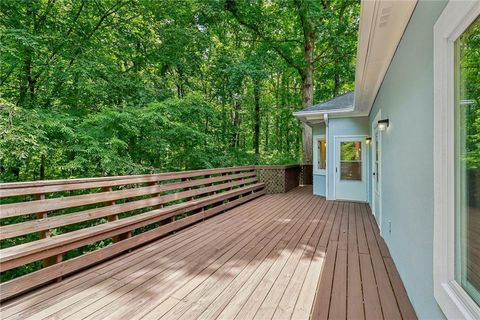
(281, 256)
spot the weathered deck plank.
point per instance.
(284, 256)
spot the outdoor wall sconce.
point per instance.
(368, 140)
(383, 124)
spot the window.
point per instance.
(456, 157)
(320, 154)
(467, 160)
(351, 160)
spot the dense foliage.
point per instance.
(111, 87)
(469, 93)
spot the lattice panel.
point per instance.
(274, 180)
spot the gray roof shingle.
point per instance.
(343, 101)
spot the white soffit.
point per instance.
(316, 117)
(382, 24)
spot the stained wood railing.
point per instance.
(126, 211)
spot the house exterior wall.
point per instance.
(406, 98)
(342, 127)
(336, 127)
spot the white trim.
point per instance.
(452, 299)
(327, 172)
(364, 160)
(317, 117)
(377, 117)
(321, 112)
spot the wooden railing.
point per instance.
(124, 211)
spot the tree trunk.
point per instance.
(25, 80)
(336, 83)
(42, 167)
(267, 127)
(236, 124)
(278, 136)
(256, 128)
(224, 119)
(287, 138)
(27, 84)
(307, 94)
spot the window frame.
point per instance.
(316, 169)
(358, 161)
(451, 297)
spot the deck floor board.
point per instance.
(284, 256)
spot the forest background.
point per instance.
(114, 87)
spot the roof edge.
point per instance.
(321, 112)
(377, 38)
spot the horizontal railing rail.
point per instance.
(45, 221)
(47, 186)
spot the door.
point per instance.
(350, 168)
(376, 174)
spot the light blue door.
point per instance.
(350, 168)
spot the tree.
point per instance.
(296, 46)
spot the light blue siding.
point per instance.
(319, 185)
(406, 98)
(342, 127)
(318, 129)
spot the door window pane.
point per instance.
(467, 160)
(351, 160)
(322, 155)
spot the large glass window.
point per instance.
(351, 160)
(467, 160)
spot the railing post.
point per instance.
(158, 206)
(208, 184)
(46, 234)
(187, 188)
(114, 217)
(42, 215)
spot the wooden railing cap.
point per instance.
(277, 166)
